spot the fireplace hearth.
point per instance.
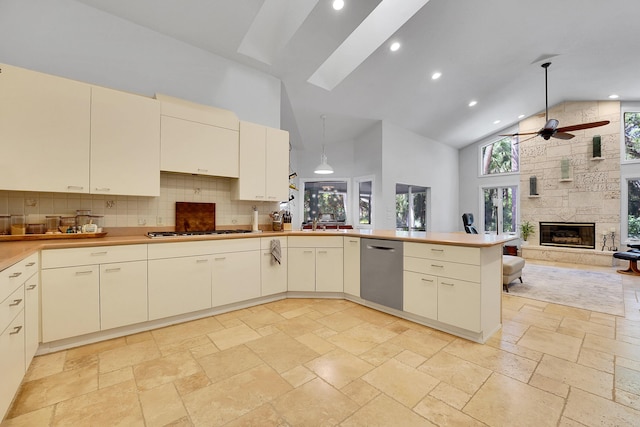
(568, 234)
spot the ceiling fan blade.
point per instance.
(522, 133)
(562, 135)
(583, 126)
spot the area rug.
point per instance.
(592, 290)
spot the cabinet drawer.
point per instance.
(10, 307)
(315, 241)
(457, 254)
(235, 245)
(54, 258)
(10, 279)
(265, 242)
(179, 249)
(439, 268)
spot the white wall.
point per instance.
(69, 39)
(409, 158)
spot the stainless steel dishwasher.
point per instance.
(381, 272)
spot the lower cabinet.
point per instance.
(12, 364)
(420, 294)
(31, 317)
(273, 274)
(179, 285)
(236, 277)
(352, 266)
(123, 294)
(459, 303)
(70, 302)
(316, 264)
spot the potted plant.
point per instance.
(526, 230)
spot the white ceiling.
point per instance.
(487, 50)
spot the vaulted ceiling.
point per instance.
(338, 63)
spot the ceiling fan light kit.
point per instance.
(551, 129)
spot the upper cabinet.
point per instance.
(125, 143)
(45, 131)
(198, 139)
(264, 164)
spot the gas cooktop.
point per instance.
(159, 234)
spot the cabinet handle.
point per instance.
(16, 330)
(80, 273)
(221, 258)
(112, 270)
(353, 241)
(104, 189)
(427, 280)
(31, 264)
(199, 261)
(75, 187)
(15, 302)
(307, 252)
(437, 266)
(437, 250)
(447, 284)
(259, 197)
(32, 287)
(203, 170)
(322, 252)
(271, 197)
(98, 253)
(14, 275)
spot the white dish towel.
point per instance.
(276, 251)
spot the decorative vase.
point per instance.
(564, 168)
(533, 186)
(597, 146)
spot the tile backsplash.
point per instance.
(133, 211)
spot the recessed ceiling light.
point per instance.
(614, 96)
(473, 103)
(495, 122)
(436, 75)
(338, 4)
(394, 46)
(521, 116)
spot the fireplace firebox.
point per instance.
(568, 234)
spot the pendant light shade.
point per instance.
(323, 168)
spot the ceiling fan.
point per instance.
(551, 129)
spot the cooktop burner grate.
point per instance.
(159, 234)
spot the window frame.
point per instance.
(491, 141)
(480, 222)
(633, 107)
(348, 204)
(427, 207)
(356, 202)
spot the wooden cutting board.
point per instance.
(191, 216)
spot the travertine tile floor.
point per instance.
(313, 362)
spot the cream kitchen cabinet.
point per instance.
(125, 143)
(273, 275)
(316, 264)
(420, 294)
(352, 266)
(179, 278)
(12, 364)
(31, 316)
(74, 280)
(123, 294)
(45, 131)
(264, 164)
(236, 271)
(198, 139)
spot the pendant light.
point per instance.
(323, 168)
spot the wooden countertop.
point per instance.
(12, 252)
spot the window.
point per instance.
(501, 156)
(411, 207)
(325, 200)
(633, 212)
(632, 136)
(500, 205)
(364, 202)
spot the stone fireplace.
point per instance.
(568, 234)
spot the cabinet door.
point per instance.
(277, 165)
(123, 294)
(198, 148)
(12, 367)
(329, 270)
(70, 302)
(45, 131)
(236, 277)
(301, 269)
(459, 303)
(31, 317)
(274, 275)
(125, 143)
(179, 285)
(420, 294)
(352, 266)
(251, 183)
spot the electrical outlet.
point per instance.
(110, 204)
(31, 203)
(234, 221)
(196, 190)
(142, 221)
(159, 220)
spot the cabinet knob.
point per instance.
(15, 302)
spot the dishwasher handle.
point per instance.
(381, 248)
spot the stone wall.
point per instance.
(592, 192)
